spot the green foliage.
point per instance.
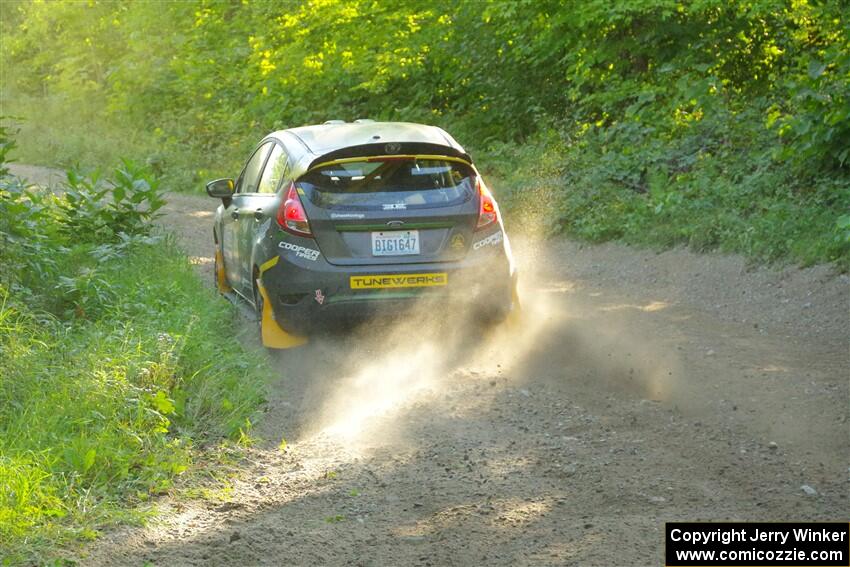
(7, 144)
(96, 211)
(111, 371)
(660, 91)
(27, 234)
(818, 131)
(619, 183)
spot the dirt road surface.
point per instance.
(639, 388)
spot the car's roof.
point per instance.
(325, 138)
(306, 143)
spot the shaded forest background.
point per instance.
(710, 123)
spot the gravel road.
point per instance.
(639, 388)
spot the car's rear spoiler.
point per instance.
(390, 149)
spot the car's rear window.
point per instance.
(394, 183)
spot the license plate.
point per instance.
(395, 243)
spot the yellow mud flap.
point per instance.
(220, 279)
(273, 336)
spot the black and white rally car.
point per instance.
(332, 222)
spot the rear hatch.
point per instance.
(391, 209)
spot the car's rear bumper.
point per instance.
(310, 294)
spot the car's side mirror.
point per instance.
(220, 188)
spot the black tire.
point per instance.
(258, 297)
(492, 316)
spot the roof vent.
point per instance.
(334, 121)
(363, 121)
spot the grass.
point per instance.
(92, 138)
(108, 396)
(88, 136)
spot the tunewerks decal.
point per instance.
(399, 280)
(300, 251)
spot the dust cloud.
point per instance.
(360, 383)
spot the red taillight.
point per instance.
(488, 212)
(291, 216)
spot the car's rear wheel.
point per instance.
(259, 303)
(509, 308)
(258, 297)
(494, 317)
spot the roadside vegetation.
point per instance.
(114, 372)
(714, 124)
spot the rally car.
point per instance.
(340, 221)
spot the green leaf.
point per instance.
(816, 68)
(88, 460)
(162, 403)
